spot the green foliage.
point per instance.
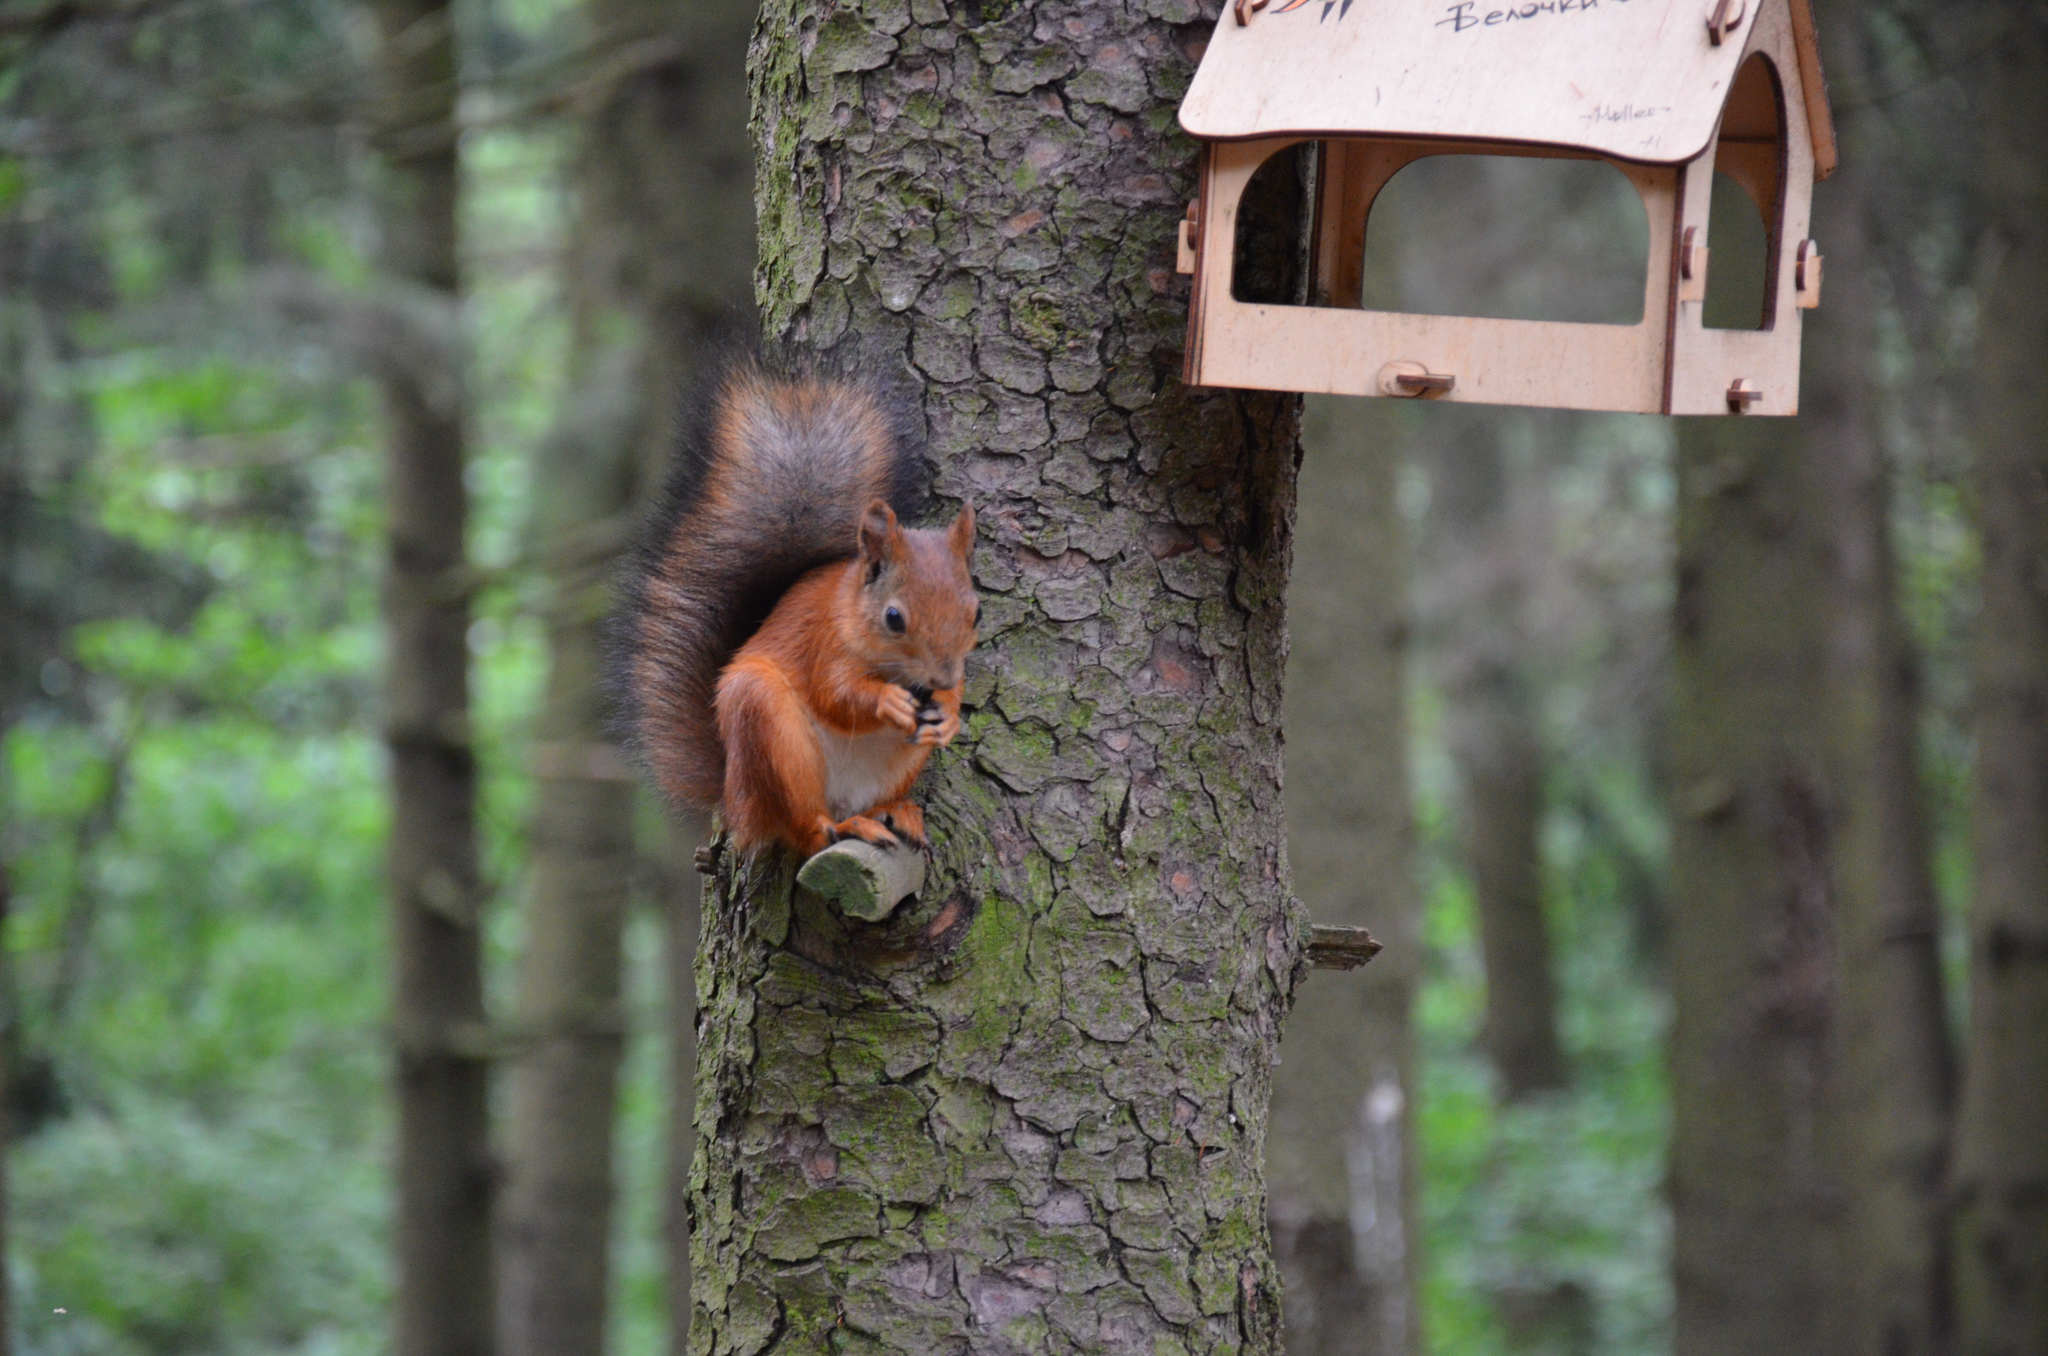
(192, 811)
(1545, 1225)
(197, 941)
(150, 1226)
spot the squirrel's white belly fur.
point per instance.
(860, 769)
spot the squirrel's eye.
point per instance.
(892, 617)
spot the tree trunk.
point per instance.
(9, 1020)
(1031, 1113)
(1811, 1066)
(1755, 1201)
(1896, 1080)
(563, 1087)
(1342, 1157)
(657, 250)
(2001, 1172)
(678, 950)
(1495, 744)
(443, 1223)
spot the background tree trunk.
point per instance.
(2001, 1172)
(660, 248)
(1341, 1159)
(1755, 1202)
(8, 1036)
(1810, 1064)
(1031, 1114)
(1896, 1081)
(444, 1303)
(1495, 743)
(677, 901)
(563, 1089)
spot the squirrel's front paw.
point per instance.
(896, 706)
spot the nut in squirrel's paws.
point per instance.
(929, 715)
(936, 726)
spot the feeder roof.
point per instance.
(1630, 79)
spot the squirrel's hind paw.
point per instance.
(870, 831)
(904, 820)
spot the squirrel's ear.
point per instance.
(960, 536)
(877, 531)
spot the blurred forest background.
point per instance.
(214, 311)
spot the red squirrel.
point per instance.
(793, 653)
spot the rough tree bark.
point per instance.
(659, 247)
(444, 1296)
(1341, 1149)
(2001, 1170)
(1031, 1114)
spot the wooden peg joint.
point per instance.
(1190, 239)
(1411, 379)
(1741, 395)
(1725, 19)
(1806, 274)
(1424, 383)
(1692, 266)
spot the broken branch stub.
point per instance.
(861, 880)
(1333, 947)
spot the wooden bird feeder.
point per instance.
(1665, 91)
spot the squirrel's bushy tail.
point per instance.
(769, 483)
